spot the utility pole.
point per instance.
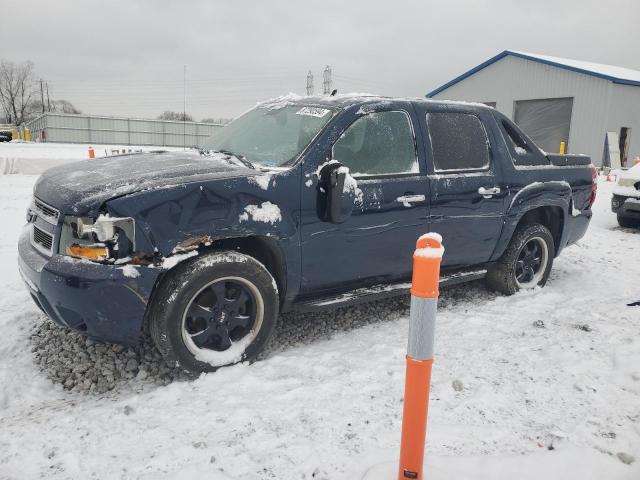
(41, 96)
(326, 81)
(48, 100)
(310, 83)
(184, 108)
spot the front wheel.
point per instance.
(527, 261)
(214, 310)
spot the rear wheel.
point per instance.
(627, 222)
(527, 261)
(214, 310)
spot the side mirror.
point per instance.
(334, 203)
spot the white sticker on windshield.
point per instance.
(313, 111)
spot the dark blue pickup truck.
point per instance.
(302, 202)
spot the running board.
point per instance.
(380, 292)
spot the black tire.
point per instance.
(627, 222)
(171, 326)
(503, 275)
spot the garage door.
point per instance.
(547, 121)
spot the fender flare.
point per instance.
(536, 195)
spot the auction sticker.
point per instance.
(313, 111)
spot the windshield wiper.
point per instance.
(237, 156)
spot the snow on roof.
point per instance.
(617, 73)
(625, 76)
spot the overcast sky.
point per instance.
(127, 57)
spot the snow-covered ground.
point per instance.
(34, 158)
(541, 385)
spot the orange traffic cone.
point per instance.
(92, 153)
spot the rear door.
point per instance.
(375, 244)
(466, 187)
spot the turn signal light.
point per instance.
(90, 253)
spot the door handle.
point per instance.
(407, 200)
(488, 192)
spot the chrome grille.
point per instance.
(46, 212)
(42, 240)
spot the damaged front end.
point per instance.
(105, 239)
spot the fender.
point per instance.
(532, 196)
(192, 215)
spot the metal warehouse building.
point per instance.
(65, 128)
(593, 108)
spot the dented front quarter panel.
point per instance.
(168, 219)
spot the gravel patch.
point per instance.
(82, 365)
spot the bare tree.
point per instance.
(64, 106)
(177, 116)
(221, 120)
(17, 89)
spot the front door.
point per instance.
(376, 243)
(467, 192)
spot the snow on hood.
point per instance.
(82, 187)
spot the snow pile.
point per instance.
(261, 180)
(130, 271)
(351, 186)
(267, 212)
(233, 354)
(520, 150)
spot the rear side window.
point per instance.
(523, 152)
(377, 144)
(458, 141)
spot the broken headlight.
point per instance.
(102, 239)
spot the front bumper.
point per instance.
(628, 207)
(94, 299)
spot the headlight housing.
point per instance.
(103, 239)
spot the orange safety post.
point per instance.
(424, 299)
(92, 153)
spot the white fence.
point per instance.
(64, 128)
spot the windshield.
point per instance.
(270, 136)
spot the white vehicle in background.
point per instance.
(626, 198)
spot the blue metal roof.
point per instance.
(614, 74)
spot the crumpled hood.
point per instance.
(80, 188)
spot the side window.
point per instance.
(377, 144)
(517, 142)
(522, 152)
(458, 141)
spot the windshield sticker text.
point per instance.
(313, 111)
